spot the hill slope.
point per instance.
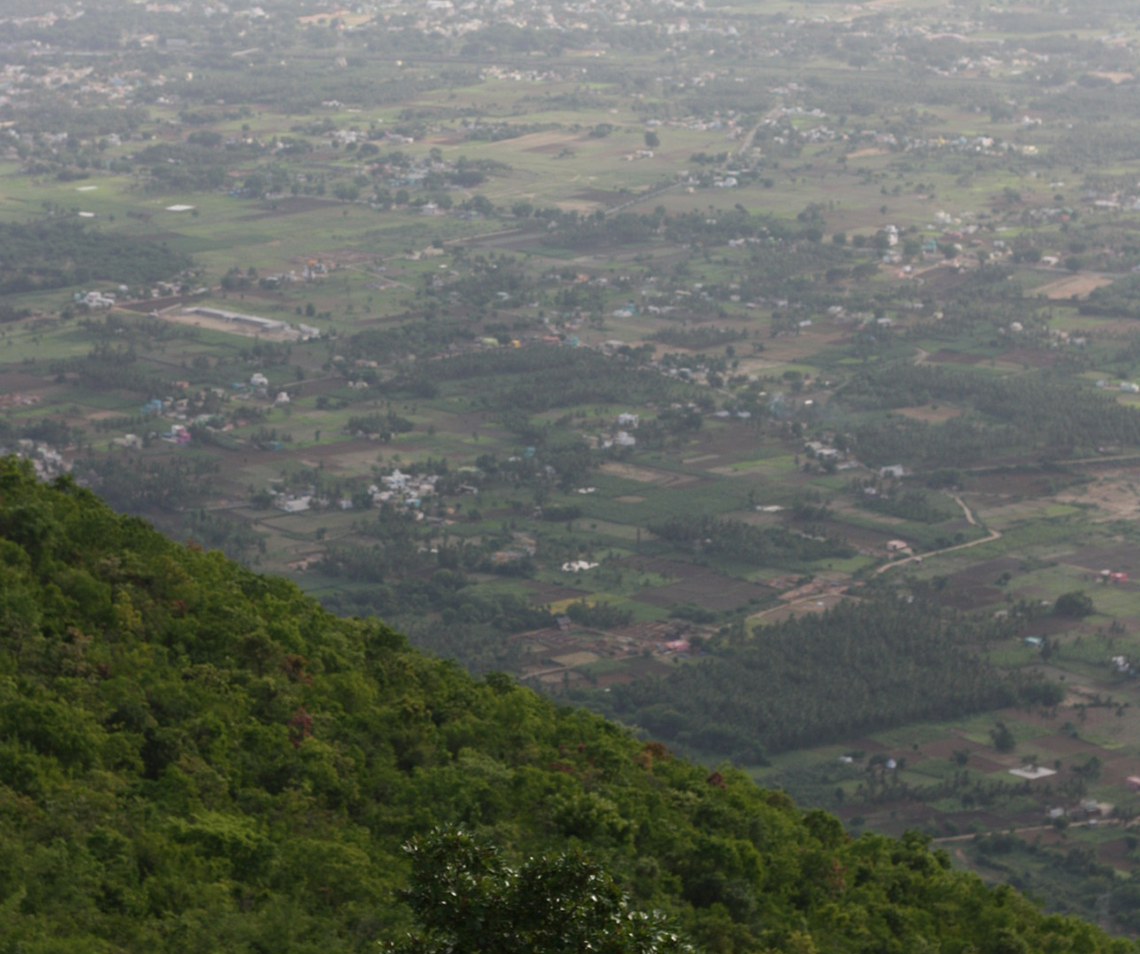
(196, 758)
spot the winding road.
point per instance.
(919, 557)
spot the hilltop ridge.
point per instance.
(196, 757)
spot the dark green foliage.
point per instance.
(1030, 411)
(601, 615)
(912, 505)
(739, 541)
(54, 253)
(1003, 739)
(1074, 605)
(470, 901)
(148, 485)
(383, 425)
(541, 378)
(1118, 299)
(196, 758)
(818, 678)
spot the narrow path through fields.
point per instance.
(919, 557)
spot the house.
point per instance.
(258, 380)
(624, 439)
(94, 299)
(395, 480)
(893, 470)
(897, 546)
(282, 398)
(1035, 641)
(1132, 783)
(627, 420)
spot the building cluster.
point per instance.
(299, 332)
(620, 436)
(47, 462)
(402, 490)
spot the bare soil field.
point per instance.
(241, 329)
(975, 586)
(1029, 356)
(1079, 285)
(816, 604)
(1124, 558)
(1113, 493)
(1114, 853)
(946, 356)
(22, 381)
(342, 457)
(983, 574)
(1118, 769)
(290, 206)
(648, 475)
(860, 537)
(930, 413)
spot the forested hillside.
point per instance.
(197, 758)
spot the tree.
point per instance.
(1074, 605)
(1003, 739)
(470, 901)
(652, 140)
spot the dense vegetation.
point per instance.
(739, 541)
(819, 678)
(540, 379)
(54, 253)
(196, 758)
(1045, 412)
